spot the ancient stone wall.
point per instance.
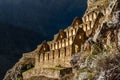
(61, 49)
(90, 16)
(56, 73)
(67, 42)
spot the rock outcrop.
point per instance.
(102, 62)
(25, 63)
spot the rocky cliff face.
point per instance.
(102, 61)
(90, 2)
(99, 57)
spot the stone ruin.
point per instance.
(52, 58)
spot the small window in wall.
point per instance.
(91, 24)
(56, 47)
(67, 32)
(63, 44)
(88, 28)
(66, 42)
(73, 31)
(86, 18)
(61, 36)
(51, 47)
(80, 26)
(84, 28)
(90, 17)
(44, 48)
(59, 44)
(58, 54)
(70, 33)
(48, 56)
(70, 40)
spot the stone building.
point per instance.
(58, 52)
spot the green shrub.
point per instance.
(20, 78)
